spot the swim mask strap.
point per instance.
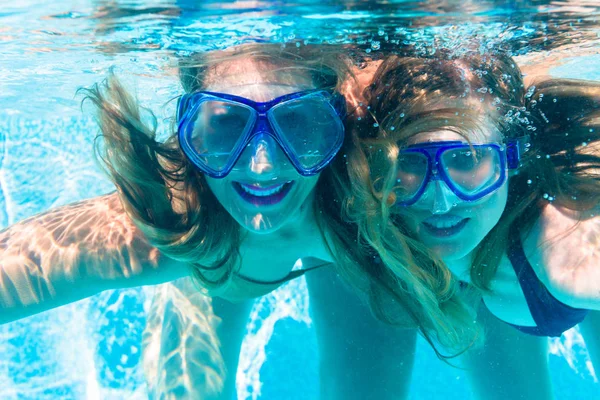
(515, 148)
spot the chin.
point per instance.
(261, 224)
(453, 252)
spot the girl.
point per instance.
(234, 199)
(462, 168)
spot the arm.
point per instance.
(73, 252)
(191, 343)
(564, 250)
(509, 365)
(360, 356)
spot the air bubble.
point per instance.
(530, 92)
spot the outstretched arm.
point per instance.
(73, 252)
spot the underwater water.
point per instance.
(48, 50)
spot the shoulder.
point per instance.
(563, 248)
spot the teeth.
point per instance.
(262, 193)
(443, 221)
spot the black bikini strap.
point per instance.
(292, 275)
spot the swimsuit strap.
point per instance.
(551, 316)
(292, 275)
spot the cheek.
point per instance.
(305, 184)
(411, 218)
(217, 186)
(308, 183)
(490, 211)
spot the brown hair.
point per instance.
(409, 95)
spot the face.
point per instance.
(263, 192)
(447, 225)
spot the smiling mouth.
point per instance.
(444, 225)
(262, 195)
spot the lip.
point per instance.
(445, 232)
(262, 201)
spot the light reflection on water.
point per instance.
(59, 47)
(47, 50)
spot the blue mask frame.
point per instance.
(263, 123)
(510, 157)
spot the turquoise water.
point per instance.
(91, 349)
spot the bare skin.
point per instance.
(562, 249)
(507, 363)
(351, 341)
(79, 250)
(570, 275)
(74, 252)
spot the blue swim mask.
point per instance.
(214, 128)
(471, 171)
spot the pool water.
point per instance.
(92, 349)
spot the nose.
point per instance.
(262, 157)
(438, 198)
(443, 198)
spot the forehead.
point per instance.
(448, 135)
(260, 92)
(246, 71)
(469, 120)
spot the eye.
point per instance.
(229, 122)
(466, 159)
(412, 163)
(295, 119)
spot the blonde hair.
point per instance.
(163, 193)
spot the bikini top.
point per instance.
(551, 317)
(243, 288)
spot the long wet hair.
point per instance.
(161, 190)
(410, 95)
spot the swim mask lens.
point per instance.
(215, 128)
(471, 171)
